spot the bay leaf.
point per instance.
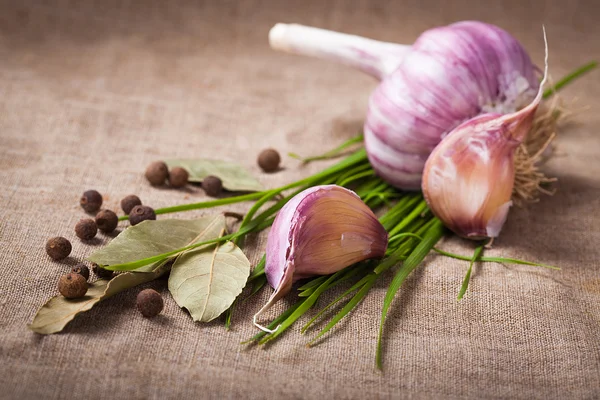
(235, 178)
(53, 316)
(140, 241)
(152, 238)
(207, 281)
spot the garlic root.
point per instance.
(537, 148)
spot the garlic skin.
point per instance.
(449, 75)
(318, 232)
(469, 177)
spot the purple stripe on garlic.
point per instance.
(318, 232)
(448, 76)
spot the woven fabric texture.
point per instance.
(93, 91)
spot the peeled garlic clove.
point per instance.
(469, 177)
(318, 232)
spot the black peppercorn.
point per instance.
(82, 270)
(212, 185)
(86, 229)
(149, 302)
(268, 160)
(107, 221)
(157, 173)
(178, 177)
(141, 213)
(72, 286)
(58, 248)
(129, 202)
(91, 201)
(101, 272)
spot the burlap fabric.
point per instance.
(92, 91)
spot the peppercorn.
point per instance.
(141, 213)
(72, 286)
(86, 229)
(149, 302)
(102, 273)
(129, 202)
(58, 248)
(157, 173)
(91, 201)
(268, 160)
(82, 270)
(107, 221)
(178, 177)
(212, 185)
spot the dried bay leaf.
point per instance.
(207, 281)
(151, 238)
(59, 311)
(143, 240)
(234, 177)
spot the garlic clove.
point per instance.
(318, 232)
(469, 177)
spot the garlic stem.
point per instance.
(376, 58)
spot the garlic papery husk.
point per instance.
(469, 177)
(449, 75)
(320, 231)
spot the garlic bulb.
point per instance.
(449, 75)
(469, 177)
(320, 231)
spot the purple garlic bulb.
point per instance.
(318, 232)
(448, 76)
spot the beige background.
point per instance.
(92, 91)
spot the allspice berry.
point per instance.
(107, 221)
(86, 229)
(141, 213)
(178, 177)
(212, 185)
(72, 286)
(91, 201)
(128, 202)
(149, 302)
(268, 160)
(58, 248)
(82, 270)
(157, 173)
(102, 273)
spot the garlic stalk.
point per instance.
(449, 75)
(373, 57)
(320, 231)
(469, 177)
